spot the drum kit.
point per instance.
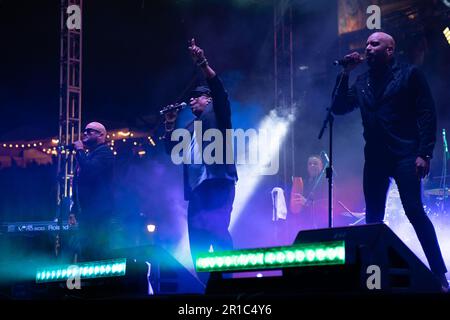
(436, 207)
(434, 201)
(439, 192)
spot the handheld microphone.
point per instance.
(346, 61)
(173, 107)
(325, 156)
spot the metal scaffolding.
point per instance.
(284, 79)
(69, 106)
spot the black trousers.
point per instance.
(209, 214)
(377, 172)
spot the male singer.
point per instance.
(209, 187)
(399, 122)
(93, 196)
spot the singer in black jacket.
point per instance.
(209, 187)
(399, 122)
(93, 203)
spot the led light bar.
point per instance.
(87, 270)
(310, 254)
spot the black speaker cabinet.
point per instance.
(376, 261)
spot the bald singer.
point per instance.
(92, 197)
(399, 121)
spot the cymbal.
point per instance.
(437, 192)
(353, 214)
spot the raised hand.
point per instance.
(196, 52)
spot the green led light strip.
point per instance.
(327, 253)
(96, 269)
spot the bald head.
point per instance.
(94, 134)
(385, 38)
(97, 126)
(380, 49)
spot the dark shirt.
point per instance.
(397, 110)
(217, 115)
(93, 183)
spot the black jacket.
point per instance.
(397, 111)
(217, 115)
(93, 183)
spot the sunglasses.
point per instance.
(89, 131)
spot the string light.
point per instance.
(447, 34)
(123, 134)
(51, 146)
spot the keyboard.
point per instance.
(34, 226)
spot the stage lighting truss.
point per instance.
(310, 254)
(87, 270)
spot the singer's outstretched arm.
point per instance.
(198, 56)
(221, 103)
(345, 98)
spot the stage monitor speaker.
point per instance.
(376, 260)
(373, 249)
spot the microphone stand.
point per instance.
(60, 209)
(329, 120)
(444, 173)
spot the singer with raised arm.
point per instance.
(399, 121)
(209, 187)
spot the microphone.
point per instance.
(173, 107)
(325, 156)
(346, 61)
